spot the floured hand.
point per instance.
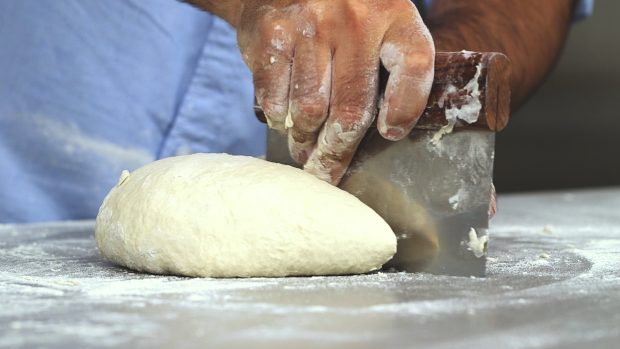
(316, 71)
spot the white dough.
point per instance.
(218, 215)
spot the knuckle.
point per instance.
(308, 116)
(270, 85)
(272, 43)
(353, 118)
(402, 7)
(338, 141)
(419, 62)
(261, 81)
(423, 61)
(357, 14)
(274, 109)
(301, 138)
(274, 33)
(269, 26)
(333, 153)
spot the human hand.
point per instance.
(316, 70)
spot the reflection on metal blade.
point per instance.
(431, 193)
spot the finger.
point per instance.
(333, 152)
(309, 96)
(352, 110)
(408, 55)
(271, 60)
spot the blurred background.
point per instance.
(565, 136)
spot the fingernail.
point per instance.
(394, 133)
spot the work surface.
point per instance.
(553, 281)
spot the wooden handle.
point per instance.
(471, 87)
(455, 89)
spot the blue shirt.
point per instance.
(89, 88)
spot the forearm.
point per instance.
(229, 10)
(530, 32)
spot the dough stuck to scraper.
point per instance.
(218, 215)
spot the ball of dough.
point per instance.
(218, 215)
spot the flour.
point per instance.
(75, 143)
(455, 199)
(467, 54)
(277, 44)
(468, 112)
(567, 300)
(155, 285)
(477, 245)
(547, 229)
(288, 121)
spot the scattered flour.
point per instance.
(89, 302)
(76, 143)
(468, 112)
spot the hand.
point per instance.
(316, 69)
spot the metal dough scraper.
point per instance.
(434, 187)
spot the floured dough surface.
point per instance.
(218, 215)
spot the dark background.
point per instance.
(567, 135)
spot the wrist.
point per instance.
(456, 30)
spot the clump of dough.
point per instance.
(218, 215)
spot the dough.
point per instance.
(218, 215)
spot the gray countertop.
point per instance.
(553, 282)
